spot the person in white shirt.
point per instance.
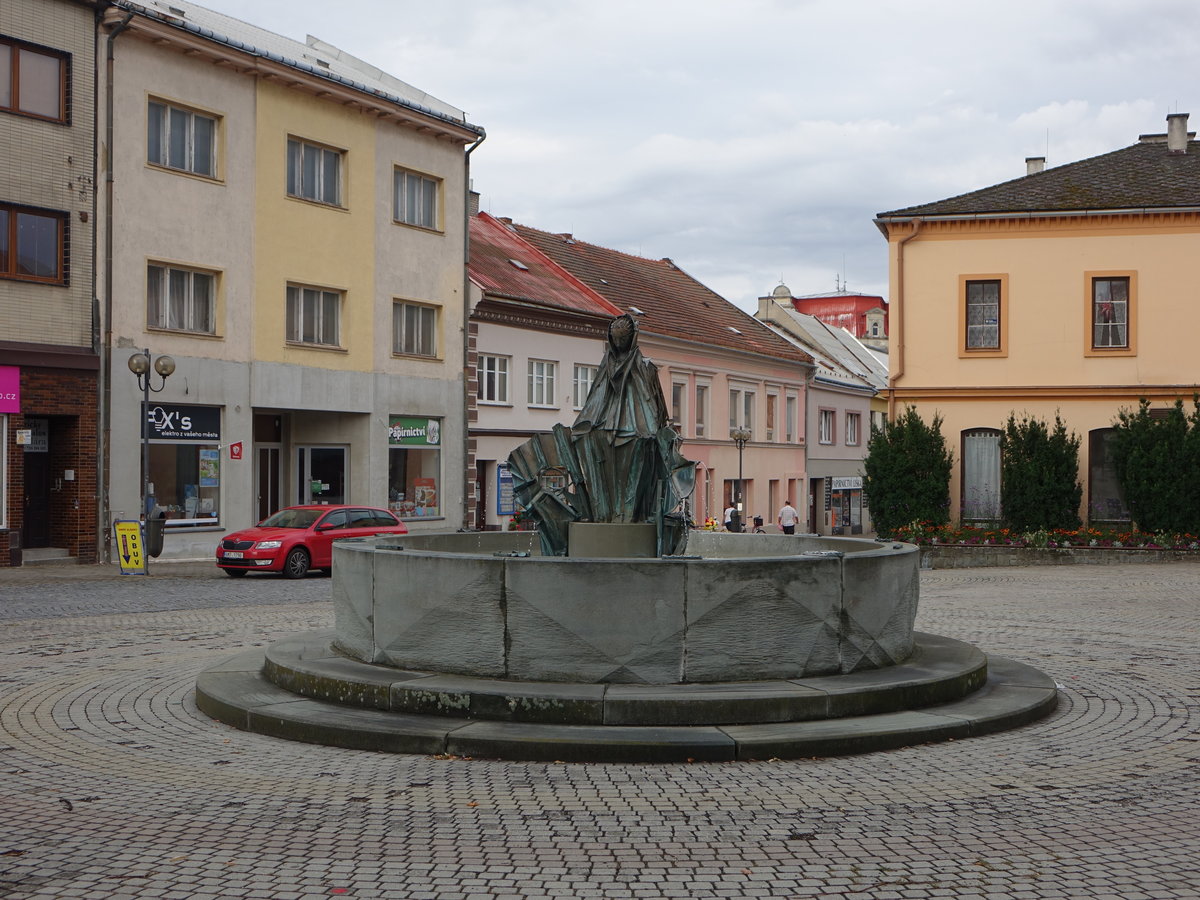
(730, 512)
(788, 517)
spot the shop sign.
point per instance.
(10, 389)
(847, 483)
(409, 431)
(505, 504)
(170, 422)
(235, 450)
(127, 537)
(38, 440)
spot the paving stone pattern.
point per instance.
(115, 786)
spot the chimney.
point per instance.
(1034, 164)
(1177, 133)
(472, 203)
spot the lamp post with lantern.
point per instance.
(740, 436)
(140, 364)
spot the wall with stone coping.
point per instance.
(739, 608)
(950, 556)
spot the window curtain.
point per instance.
(981, 476)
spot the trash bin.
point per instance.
(154, 535)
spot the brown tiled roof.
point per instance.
(674, 304)
(496, 251)
(1144, 176)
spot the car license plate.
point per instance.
(233, 554)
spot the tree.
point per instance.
(1039, 475)
(908, 473)
(1158, 466)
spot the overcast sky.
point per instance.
(755, 140)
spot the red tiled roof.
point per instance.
(495, 248)
(674, 304)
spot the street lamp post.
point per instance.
(139, 365)
(739, 436)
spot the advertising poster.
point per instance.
(210, 467)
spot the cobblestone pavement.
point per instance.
(115, 786)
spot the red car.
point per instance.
(300, 538)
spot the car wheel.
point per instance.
(235, 573)
(296, 564)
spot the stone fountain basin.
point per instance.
(739, 607)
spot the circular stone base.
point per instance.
(302, 690)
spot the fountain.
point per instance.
(612, 633)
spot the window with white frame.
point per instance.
(416, 199)
(701, 409)
(33, 80)
(313, 316)
(541, 382)
(678, 405)
(983, 315)
(180, 299)
(181, 139)
(493, 379)
(314, 172)
(789, 405)
(1110, 312)
(585, 377)
(741, 408)
(853, 429)
(772, 403)
(826, 423)
(414, 329)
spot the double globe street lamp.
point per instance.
(740, 436)
(140, 365)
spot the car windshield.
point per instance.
(291, 518)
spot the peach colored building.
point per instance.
(1064, 291)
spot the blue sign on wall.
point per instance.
(505, 506)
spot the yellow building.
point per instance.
(288, 223)
(1065, 291)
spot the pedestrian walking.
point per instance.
(788, 517)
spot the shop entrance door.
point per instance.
(37, 500)
(267, 480)
(481, 495)
(322, 474)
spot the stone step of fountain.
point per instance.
(939, 670)
(236, 692)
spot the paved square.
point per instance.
(115, 786)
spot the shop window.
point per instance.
(180, 139)
(33, 244)
(185, 464)
(33, 80)
(414, 466)
(981, 475)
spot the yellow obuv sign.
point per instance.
(129, 547)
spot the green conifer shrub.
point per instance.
(1158, 466)
(1039, 475)
(908, 473)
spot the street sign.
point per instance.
(129, 547)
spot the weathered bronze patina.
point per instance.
(619, 462)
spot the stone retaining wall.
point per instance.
(950, 556)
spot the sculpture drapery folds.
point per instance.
(619, 462)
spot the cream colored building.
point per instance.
(287, 223)
(1069, 290)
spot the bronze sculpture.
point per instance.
(620, 462)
